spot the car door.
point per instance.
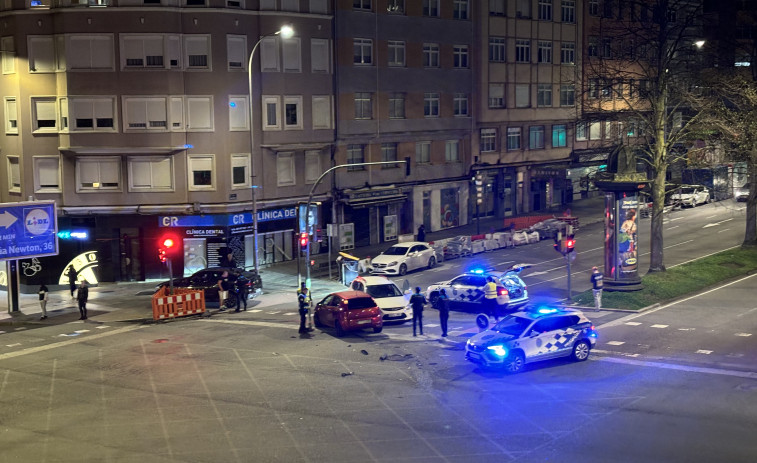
(415, 257)
(467, 292)
(325, 309)
(537, 343)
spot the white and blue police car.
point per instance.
(528, 336)
(466, 291)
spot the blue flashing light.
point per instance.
(498, 350)
(188, 146)
(233, 104)
(546, 310)
(477, 271)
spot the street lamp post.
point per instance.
(285, 32)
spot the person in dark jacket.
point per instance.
(224, 286)
(442, 303)
(303, 300)
(71, 280)
(81, 296)
(417, 301)
(422, 233)
(228, 261)
(242, 290)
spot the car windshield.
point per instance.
(396, 251)
(512, 325)
(386, 290)
(360, 303)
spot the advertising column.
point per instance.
(621, 243)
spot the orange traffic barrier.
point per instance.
(526, 221)
(181, 303)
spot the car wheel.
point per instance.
(378, 329)
(581, 351)
(317, 320)
(231, 301)
(339, 329)
(516, 362)
(431, 262)
(403, 269)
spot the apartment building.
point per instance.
(134, 116)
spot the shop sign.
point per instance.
(226, 220)
(373, 194)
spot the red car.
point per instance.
(348, 311)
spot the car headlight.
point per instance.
(499, 350)
(392, 264)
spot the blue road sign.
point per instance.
(28, 229)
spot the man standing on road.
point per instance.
(443, 307)
(241, 285)
(71, 280)
(490, 297)
(596, 282)
(43, 300)
(304, 299)
(224, 286)
(417, 301)
(81, 296)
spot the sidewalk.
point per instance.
(131, 301)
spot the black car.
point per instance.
(207, 280)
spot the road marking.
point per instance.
(673, 227)
(616, 343)
(702, 351)
(81, 331)
(659, 326)
(13, 345)
(672, 366)
(633, 323)
(55, 345)
(715, 224)
(255, 310)
(678, 244)
(101, 327)
(743, 334)
(676, 218)
(723, 230)
(686, 329)
(290, 313)
(711, 216)
(252, 323)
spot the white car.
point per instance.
(388, 296)
(741, 193)
(404, 257)
(691, 195)
(466, 292)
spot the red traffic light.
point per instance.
(162, 254)
(304, 238)
(569, 243)
(168, 243)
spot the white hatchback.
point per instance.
(388, 296)
(404, 257)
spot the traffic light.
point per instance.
(167, 246)
(162, 254)
(304, 238)
(569, 245)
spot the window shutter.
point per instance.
(319, 55)
(102, 52)
(269, 54)
(291, 54)
(42, 51)
(45, 110)
(177, 113)
(321, 112)
(161, 173)
(199, 113)
(48, 172)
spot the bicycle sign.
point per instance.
(28, 229)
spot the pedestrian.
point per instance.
(597, 283)
(422, 233)
(71, 280)
(490, 297)
(417, 301)
(43, 300)
(339, 260)
(81, 296)
(224, 286)
(303, 300)
(443, 306)
(242, 288)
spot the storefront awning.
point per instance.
(364, 202)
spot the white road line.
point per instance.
(725, 229)
(659, 326)
(711, 216)
(743, 334)
(672, 366)
(633, 323)
(13, 345)
(252, 323)
(101, 327)
(678, 244)
(55, 345)
(702, 351)
(616, 343)
(672, 227)
(676, 218)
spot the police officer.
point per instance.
(417, 301)
(490, 297)
(241, 287)
(304, 299)
(443, 306)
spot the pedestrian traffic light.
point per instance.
(162, 254)
(304, 238)
(569, 245)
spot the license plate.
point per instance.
(474, 355)
(363, 322)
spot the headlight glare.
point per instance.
(498, 350)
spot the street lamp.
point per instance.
(285, 32)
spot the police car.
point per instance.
(533, 335)
(466, 291)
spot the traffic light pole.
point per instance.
(570, 292)
(170, 277)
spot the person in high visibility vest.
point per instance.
(304, 299)
(490, 297)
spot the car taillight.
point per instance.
(502, 292)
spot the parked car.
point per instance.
(388, 296)
(458, 247)
(691, 195)
(404, 257)
(466, 292)
(348, 311)
(531, 336)
(741, 193)
(207, 281)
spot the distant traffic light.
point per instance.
(304, 238)
(569, 245)
(162, 254)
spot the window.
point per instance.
(388, 154)
(396, 53)
(460, 9)
(355, 155)
(320, 61)
(431, 8)
(545, 10)
(594, 7)
(606, 48)
(98, 173)
(46, 174)
(593, 88)
(523, 9)
(580, 131)
(488, 140)
(423, 152)
(362, 51)
(176, 107)
(14, 174)
(544, 51)
(197, 51)
(269, 54)
(236, 52)
(271, 113)
(199, 113)
(608, 129)
(88, 52)
(291, 55)
(321, 112)
(606, 89)
(313, 168)
(460, 104)
(91, 114)
(460, 56)
(363, 106)
(592, 48)
(239, 113)
(285, 169)
(395, 6)
(522, 51)
(150, 173)
(290, 5)
(397, 106)
(595, 130)
(619, 88)
(536, 137)
(201, 172)
(8, 59)
(497, 49)
(11, 115)
(44, 115)
(607, 10)
(569, 11)
(240, 171)
(544, 95)
(141, 51)
(41, 53)
(431, 104)
(361, 5)
(559, 136)
(292, 112)
(513, 138)
(430, 55)
(497, 7)
(567, 95)
(452, 151)
(568, 53)
(496, 95)
(522, 96)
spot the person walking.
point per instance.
(417, 301)
(224, 286)
(81, 296)
(422, 233)
(443, 306)
(71, 280)
(490, 297)
(304, 299)
(597, 283)
(43, 300)
(242, 289)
